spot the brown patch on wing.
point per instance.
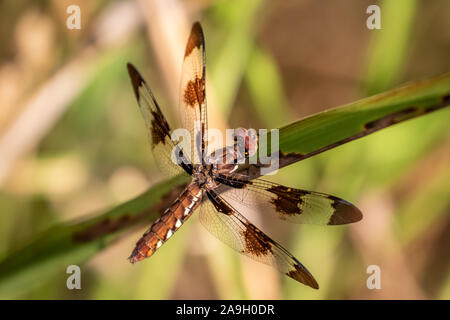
(136, 79)
(286, 205)
(285, 191)
(256, 242)
(230, 180)
(194, 93)
(287, 200)
(302, 275)
(344, 212)
(160, 128)
(218, 203)
(196, 39)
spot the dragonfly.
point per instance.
(215, 186)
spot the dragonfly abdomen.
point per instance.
(169, 222)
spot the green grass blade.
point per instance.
(332, 128)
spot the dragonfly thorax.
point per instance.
(203, 175)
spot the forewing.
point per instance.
(224, 222)
(158, 129)
(193, 94)
(294, 205)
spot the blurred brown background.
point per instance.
(72, 142)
